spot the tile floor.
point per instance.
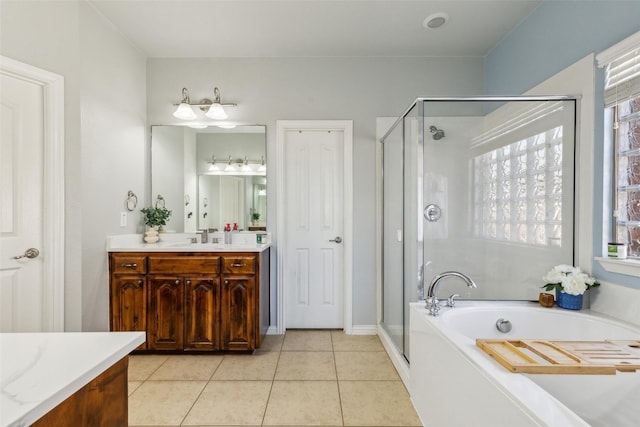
(303, 378)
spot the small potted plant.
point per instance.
(570, 284)
(154, 218)
(255, 217)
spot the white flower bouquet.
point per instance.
(568, 279)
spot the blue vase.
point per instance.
(568, 301)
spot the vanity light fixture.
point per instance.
(216, 111)
(238, 166)
(184, 110)
(230, 167)
(212, 165)
(213, 109)
(245, 166)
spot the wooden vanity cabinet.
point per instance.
(195, 302)
(238, 302)
(128, 294)
(202, 314)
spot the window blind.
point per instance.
(622, 70)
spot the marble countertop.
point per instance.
(181, 242)
(38, 371)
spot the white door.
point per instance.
(232, 200)
(22, 293)
(314, 224)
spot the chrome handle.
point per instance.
(29, 253)
(337, 240)
(132, 265)
(238, 265)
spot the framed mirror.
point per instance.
(210, 177)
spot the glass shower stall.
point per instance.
(483, 186)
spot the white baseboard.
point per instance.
(273, 330)
(364, 330)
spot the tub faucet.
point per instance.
(432, 300)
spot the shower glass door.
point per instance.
(483, 186)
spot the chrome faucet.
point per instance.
(432, 300)
(205, 236)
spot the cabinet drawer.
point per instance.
(128, 264)
(238, 264)
(184, 264)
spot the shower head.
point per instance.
(437, 133)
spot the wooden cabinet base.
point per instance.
(102, 402)
(191, 301)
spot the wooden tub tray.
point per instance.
(564, 357)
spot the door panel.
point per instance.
(165, 307)
(237, 312)
(21, 212)
(314, 193)
(201, 314)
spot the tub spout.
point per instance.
(432, 300)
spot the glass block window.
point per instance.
(627, 170)
(518, 191)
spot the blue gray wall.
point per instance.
(552, 37)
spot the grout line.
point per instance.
(335, 366)
(266, 406)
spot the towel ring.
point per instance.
(132, 201)
(160, 202)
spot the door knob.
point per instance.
(29, 253)
(337, 239)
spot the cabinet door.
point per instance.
(166, 326)
(202, 313)
(238, 312)
(128, 304)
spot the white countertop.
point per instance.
(181, 242)
(38, 371)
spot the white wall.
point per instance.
(105, 144)
(114, 152)
(45, 35)
(359, 89)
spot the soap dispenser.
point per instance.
(227, 234)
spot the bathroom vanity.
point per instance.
(191, 298)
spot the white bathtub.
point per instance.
(454, 383)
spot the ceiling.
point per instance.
(312, 28)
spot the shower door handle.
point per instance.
(338, 239)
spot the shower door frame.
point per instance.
(419, 103)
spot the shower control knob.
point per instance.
(432, 213)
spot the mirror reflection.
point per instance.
(210, 177)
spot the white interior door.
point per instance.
(314, 210)
(22, 292)
(232, 200)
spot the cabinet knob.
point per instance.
(188, 282)
(132, 265)
(140, 282)
(177, 282)
(226, 282)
